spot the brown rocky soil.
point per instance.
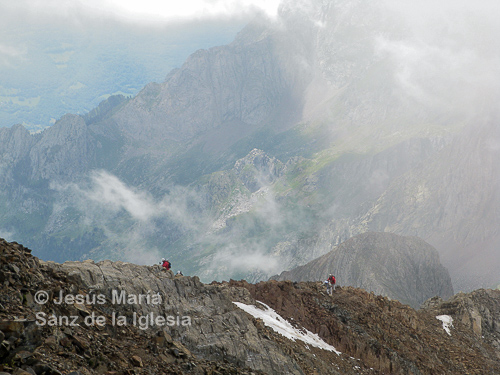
(388, 336)
(374, 334)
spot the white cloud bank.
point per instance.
(130, 219)
(10, 54)
(111, 193)
(141, 10)
(446, 55)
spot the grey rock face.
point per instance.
(218, 328)
(451, 201)
(224, 85)
(14, 154)
(479, 311)
(403, 268)
(257, 169)
(64, 150)
(16, 142)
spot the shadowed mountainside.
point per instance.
(403, 268)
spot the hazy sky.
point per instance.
(185, 9)
(141, 10)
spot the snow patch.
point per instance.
(447, 322)
(283, 327)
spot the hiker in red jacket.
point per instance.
(331, 284)
(166, 264)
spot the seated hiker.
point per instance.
(179, 274)
(166, 264)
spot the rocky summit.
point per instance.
(400, 267)
(120, 318)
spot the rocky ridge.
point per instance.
(392, 337)
(373, 334)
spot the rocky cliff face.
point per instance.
(34, 342)
(258, 170)
(404, 268)
(218, 330)
(233, 87)
(62, 151)
(371, 334)
(476, 310)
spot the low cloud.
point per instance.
(244, 258)
(7, 235)
(130, 220)
(141, 228)
(112, 194)
(445, 55)
(10, 55)
(146, 12)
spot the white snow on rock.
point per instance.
(447, 322)
(284, 328)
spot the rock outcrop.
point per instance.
(203, 331)
(389, 337)
(217, 330)
(403, 268)
(257, 169)
(373, 334)
(478, 311)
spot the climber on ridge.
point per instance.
(330, 287)
(166, 264)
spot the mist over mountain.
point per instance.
(334, 119)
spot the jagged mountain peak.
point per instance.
(404, 268)
(258, 169)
